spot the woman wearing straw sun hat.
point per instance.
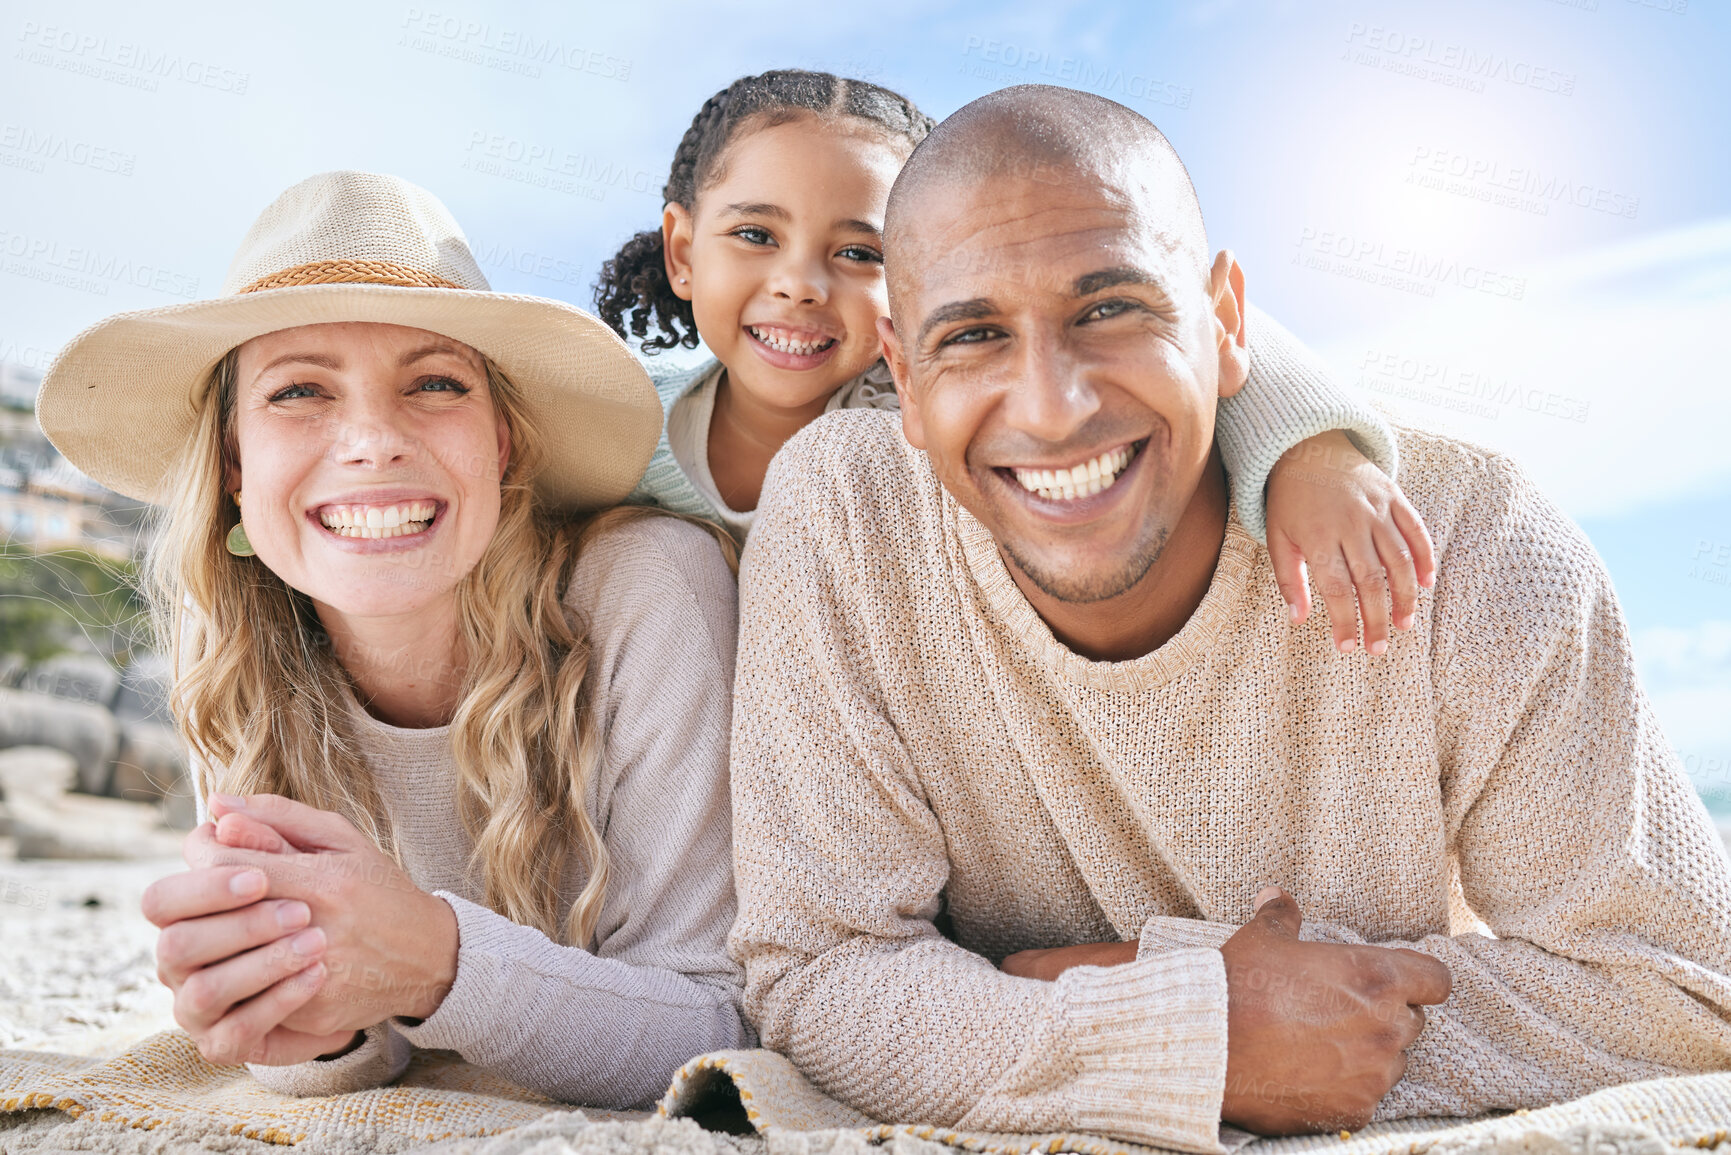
(462, 750)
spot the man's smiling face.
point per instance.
(1060, 347)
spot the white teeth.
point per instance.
(787, 344)
(1084, 480)
(378, 521)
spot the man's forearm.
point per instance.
(1051, 962)
(1136, 1052)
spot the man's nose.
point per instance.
(1051, 397)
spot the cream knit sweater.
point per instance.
(911, 744)
(606, 1027)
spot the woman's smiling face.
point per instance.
(369, 459)
(783, 258)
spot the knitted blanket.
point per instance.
(162, 1096)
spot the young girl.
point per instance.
(771, 251)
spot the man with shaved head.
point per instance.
(1030, 789)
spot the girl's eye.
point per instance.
(864, 254)
(753, 235)
(292, 392)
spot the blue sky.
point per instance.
(1505, 218)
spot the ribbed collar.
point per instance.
(384, 745)
(1010, 613)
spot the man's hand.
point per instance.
(1316, 1032)
(1048, 964)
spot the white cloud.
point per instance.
(1687, 674)
(1605, 379)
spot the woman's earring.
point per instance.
(238, 544)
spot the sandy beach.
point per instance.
(77, 959)
(78, 976)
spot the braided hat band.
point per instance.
(122, 399)
(350, 272)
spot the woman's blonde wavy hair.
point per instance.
(263, 702)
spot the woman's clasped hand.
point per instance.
(291, 933)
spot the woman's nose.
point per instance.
(373, 438)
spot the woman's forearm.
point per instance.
(561, 1021)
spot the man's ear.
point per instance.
(913, 422)
(676, 231)
(1226, 295)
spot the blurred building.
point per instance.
(45, 503)
(94, 696)
(18, 386)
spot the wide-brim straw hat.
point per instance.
(121, 400)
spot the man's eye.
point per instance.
(864, 254)
(292, 392)
(971, 336)
(1107, 309)
(752, 235)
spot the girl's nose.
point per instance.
(801, 280)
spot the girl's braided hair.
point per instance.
(634, 282)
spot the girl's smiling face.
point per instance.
(783, 259)
(369, 459)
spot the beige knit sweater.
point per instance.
(911, 742)
(605, 1027)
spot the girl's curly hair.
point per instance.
(633, 294)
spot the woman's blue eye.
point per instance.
(444, 385)
(292, 392)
